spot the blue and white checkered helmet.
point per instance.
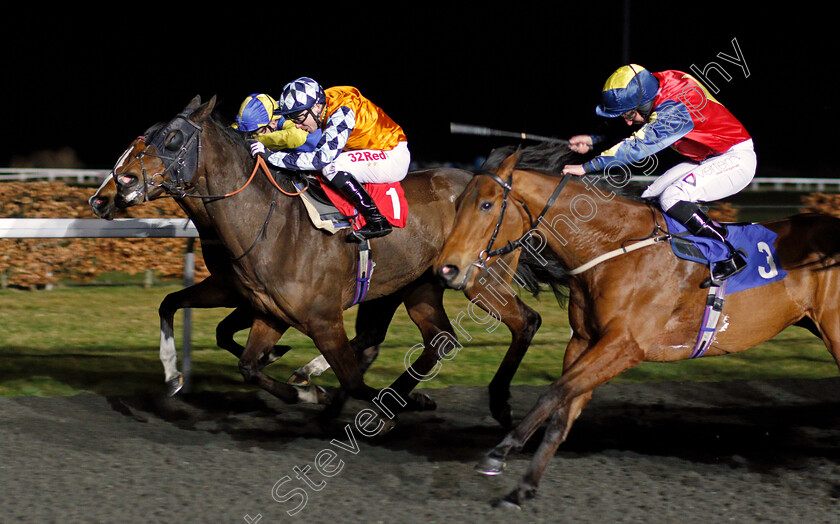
(300, 94)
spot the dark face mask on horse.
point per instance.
(178, 146)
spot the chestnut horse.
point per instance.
(217, 290)
(295, 275)
(645, 305)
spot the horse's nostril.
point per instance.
(448, 271)
(128, 180)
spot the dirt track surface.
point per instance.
(674, 452)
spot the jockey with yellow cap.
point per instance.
(677, 111)
(359, 144)
(258, 118)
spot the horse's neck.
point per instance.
(586, 222)
(238, 219)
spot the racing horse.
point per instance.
(217, 290)
(295, 275)
(640, 305)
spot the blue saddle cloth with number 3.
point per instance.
(755, 240)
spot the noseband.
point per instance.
(507, 186)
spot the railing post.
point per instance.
(189, 274)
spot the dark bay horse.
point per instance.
(295, 275)
(645, 305)
(216, 291)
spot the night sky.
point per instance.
(95, 86)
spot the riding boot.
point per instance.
(376, 225)
(697, 223)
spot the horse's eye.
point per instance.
(174, 140)
(484, 206)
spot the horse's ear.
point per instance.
(508, 165)
(194, 103)
(202, 111)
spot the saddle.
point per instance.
(330, 212)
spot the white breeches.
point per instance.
(715, 178)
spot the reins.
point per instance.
(180, 187)
(487, 253)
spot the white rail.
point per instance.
(97, 228)
(118, 228)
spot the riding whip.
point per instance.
(466, 129)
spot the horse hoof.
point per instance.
(388, 426)
(298, 379)
(175, 385)
(490, 466)
(505, 504)
(322, 395)
(423, 402)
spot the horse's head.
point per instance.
(102, 202)
(165, 161)
(489, 223)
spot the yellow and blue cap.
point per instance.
(629, 87)
(256, 111)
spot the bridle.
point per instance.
(512, 245)
(180, 153)
(181, 161)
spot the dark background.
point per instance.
(94, 84)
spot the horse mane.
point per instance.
(550, 159)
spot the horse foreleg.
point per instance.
(331, 340)
(609, 357)
(523, 323)
(261, 340)
(424, 304)
(372, 321)
(206, 294)
(492, 292)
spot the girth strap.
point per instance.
(708, 327)
(363, 272)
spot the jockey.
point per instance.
(258, 118)
(360, 144)
(676, 111)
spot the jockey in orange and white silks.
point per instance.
(359, 144)
(677, 111)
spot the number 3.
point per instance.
(762, 271)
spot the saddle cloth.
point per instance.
(331, 212)
(755, 240)
(389, 198)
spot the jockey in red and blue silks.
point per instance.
(677, 111)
